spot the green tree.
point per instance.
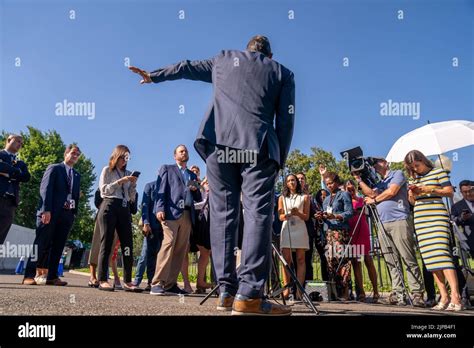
(309, 164)
(398, 166)
(137, 234)
(39, 150)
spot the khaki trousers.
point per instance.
(175, 245)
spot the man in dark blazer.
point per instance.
(59, 196)
(244, 138)
(152, 229)
(177, 190)
(12, 172)
(462, 212)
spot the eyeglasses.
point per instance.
(125, 157)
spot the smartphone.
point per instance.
(194, 183)
(466, 211)
(135, 174)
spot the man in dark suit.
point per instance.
(243, 152)
(462, 212)
(177, 190)
(59, 196)
(152, 229)
(12, 172)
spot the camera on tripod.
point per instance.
(362, 166)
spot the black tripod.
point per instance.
(294, 281)
(294, 278)
(273, 293)
(380, 231)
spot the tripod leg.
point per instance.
(395, 261)
(278, 290)
(300, 287)
(209, 294)
(292, 274)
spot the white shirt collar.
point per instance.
(181, 168)
(67, 167)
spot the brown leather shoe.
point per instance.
(259, 307)
(28, 281)
(56, 282)
(224, 302)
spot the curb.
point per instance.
(79, 273)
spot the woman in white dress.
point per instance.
(293, 210)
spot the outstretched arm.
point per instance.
(144, 74)
(200, 70)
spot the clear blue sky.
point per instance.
(337, 107)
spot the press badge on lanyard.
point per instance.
(329, 207)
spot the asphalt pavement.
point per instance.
(78, 299)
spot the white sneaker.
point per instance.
(40, 280)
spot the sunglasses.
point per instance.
(125, 157)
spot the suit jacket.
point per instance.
(148, 205)
(456, 211)
(54, 189)
(249, 89)
(17, 171)
(171, 190)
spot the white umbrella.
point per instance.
(433, 139)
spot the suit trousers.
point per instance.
(95, 245)
(255, 182)
(114, 217)
(7, 213)
(49, 244)
(173, 250)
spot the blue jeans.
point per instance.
(150, 249)
(141, 265)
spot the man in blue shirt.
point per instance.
(391, 197)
